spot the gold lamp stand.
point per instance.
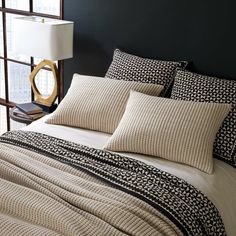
(39, 98)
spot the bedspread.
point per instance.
(51, 186)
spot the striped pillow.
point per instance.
(97, 103)
(179, 131)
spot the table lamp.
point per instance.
(44, 38)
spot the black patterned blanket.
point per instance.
(189, 209)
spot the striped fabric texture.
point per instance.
(179, 131)
(44, 197)
(97, 103)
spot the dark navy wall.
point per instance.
(202, 31)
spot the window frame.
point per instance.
(4, 10)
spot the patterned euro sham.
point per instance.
(190, 86)
(134, 68)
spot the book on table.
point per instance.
(29, 108)
(17, 112)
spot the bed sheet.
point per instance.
(220, 187)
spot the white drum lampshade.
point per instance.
(44, 38)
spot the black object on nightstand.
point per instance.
(46, 108)
(26, 113)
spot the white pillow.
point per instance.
(179, 131)
(97, 103)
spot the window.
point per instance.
(15, 69)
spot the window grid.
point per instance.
(5, 102)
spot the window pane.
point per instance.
(2, 80)
(16, 125)
(10, 29)
(45, 82)
(51, 7)
(19, 85)
(18, 4)
(1, 35)
(3, 119)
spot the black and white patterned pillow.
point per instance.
(194, 87)
(133, 68)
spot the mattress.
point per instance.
(220, 187)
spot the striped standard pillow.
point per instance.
(179, 131)
(97, 103)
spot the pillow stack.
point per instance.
(126, 104)
(190, 86)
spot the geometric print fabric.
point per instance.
(134, 68)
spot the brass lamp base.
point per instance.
(38, 97)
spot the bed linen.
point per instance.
(56, 132)
(43, 197)
(220, 187)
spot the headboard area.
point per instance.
(203, 32)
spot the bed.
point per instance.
(217, 187)
(60, 177)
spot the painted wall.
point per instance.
(202, 31)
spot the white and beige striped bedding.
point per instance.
(41, 196)
(219, 187)
(194, 214)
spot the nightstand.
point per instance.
(26, 121)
